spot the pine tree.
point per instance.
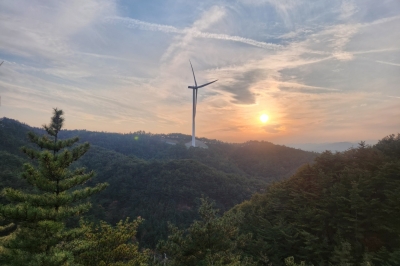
(56, 195)
(213, 240)
(105, 245)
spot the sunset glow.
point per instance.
(286, 73)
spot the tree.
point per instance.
(390, 146)
(56, 195)
(213, 240)
(105, 245)
(342, 209)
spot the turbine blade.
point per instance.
(206, 84)
(1, 63)
(194, 77)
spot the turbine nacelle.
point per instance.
(201, 86)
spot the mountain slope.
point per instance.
(254, 158)
(158, 181)
(160, 191)
(343, 208)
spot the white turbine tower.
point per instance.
(0, 95)
(195, 88)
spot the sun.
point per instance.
(264, 118)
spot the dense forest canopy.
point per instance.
(343, 209)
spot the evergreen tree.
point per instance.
(105, 245)
(213, 240)
(56, 195)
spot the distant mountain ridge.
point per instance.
(328, 146)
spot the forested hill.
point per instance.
(253, 158)
(158, 181)
(342, 210)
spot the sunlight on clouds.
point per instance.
(343, 56)
(322, 71)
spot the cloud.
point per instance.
(209, 17)
(142, 25)
(337, 37)
(193, 32)
(301, 88)
(240, 86)
(236, 39)
(44, 29)
(348, 9)
(285, 8)
(273, 128)
(309, 65)
(388, 63)
(380, 21)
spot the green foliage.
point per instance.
(390, 146)
(290, 262)
(343, 209)
(54, 196)
(161, 191)
(342, 254)
(253, 159)
(163, 180)
(10, 168)
(213, 240)
(105, 245)
(13, 136)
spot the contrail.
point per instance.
(388, 63)
(236, 39)
(142, 25)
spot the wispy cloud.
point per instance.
(380, 21)
(321, 70)
(273, 128)
(142, 25)
(388, 63)
(348, 9)
(194, 32)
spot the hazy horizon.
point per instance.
(323, 72)
(309, 146)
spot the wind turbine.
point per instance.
(0, 95)
(195, 88)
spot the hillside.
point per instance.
(343, 209)
(158, 181)
(254, 158)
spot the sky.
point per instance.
(321, 70)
